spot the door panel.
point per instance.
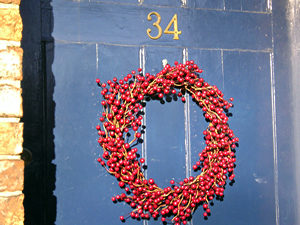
(247, 5)
(118, 24)
(210, 61)
(83, 188)
(72, 96)
(112, 61)
(172, 3)
(250, 86)
(207, 4)
(109, 39)
(114, 1)
(164, 126)
(247, 77)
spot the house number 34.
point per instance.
(156, 24)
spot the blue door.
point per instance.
(232, 41)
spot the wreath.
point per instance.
(123, 103)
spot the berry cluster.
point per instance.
(122, 114)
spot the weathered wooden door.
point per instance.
(232, 41)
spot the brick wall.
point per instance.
(11, 130)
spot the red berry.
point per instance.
(121, 184)
(151, 181)
(140, 97)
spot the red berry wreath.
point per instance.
(122, 107)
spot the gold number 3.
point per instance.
(156, 24)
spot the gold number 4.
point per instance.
(175, 26)
(156, 24)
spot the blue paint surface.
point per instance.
(164, 126)
(127, 24)
(171, 3)
(207, 4)
(210, 61)
(96, 39)
(247, 5)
